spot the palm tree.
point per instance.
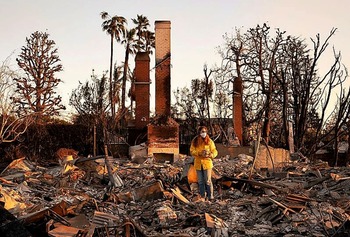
(130, 48)
(142, 23)
(115, 27)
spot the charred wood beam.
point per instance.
(84, 159)
(252, 182)
(315, 182)
(286, 209)
(109, 167)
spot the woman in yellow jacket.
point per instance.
(203, 150)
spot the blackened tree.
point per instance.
(12, 126)
(282, 85)
(35, 90)
(90, 99)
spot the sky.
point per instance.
(197, 27)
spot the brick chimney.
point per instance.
(142, 89)
(238, 108)
(163, 131)
(162, 73)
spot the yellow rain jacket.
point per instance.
(199, 160)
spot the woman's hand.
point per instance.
(206, 154)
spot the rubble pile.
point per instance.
(78, 198)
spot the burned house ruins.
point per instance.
(258, 191)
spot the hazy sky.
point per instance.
(196, 30)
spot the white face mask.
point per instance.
(203, 134)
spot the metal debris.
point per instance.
(157, 199)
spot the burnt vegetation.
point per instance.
(282, 86)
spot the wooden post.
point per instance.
(95, 146)
(290, 137)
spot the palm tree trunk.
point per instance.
(207, 98)
(111, 94)
(125, 71)
(267, 119)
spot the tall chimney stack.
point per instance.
(162, 73)
(238, 108)
(163, 131)
(142, 89)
